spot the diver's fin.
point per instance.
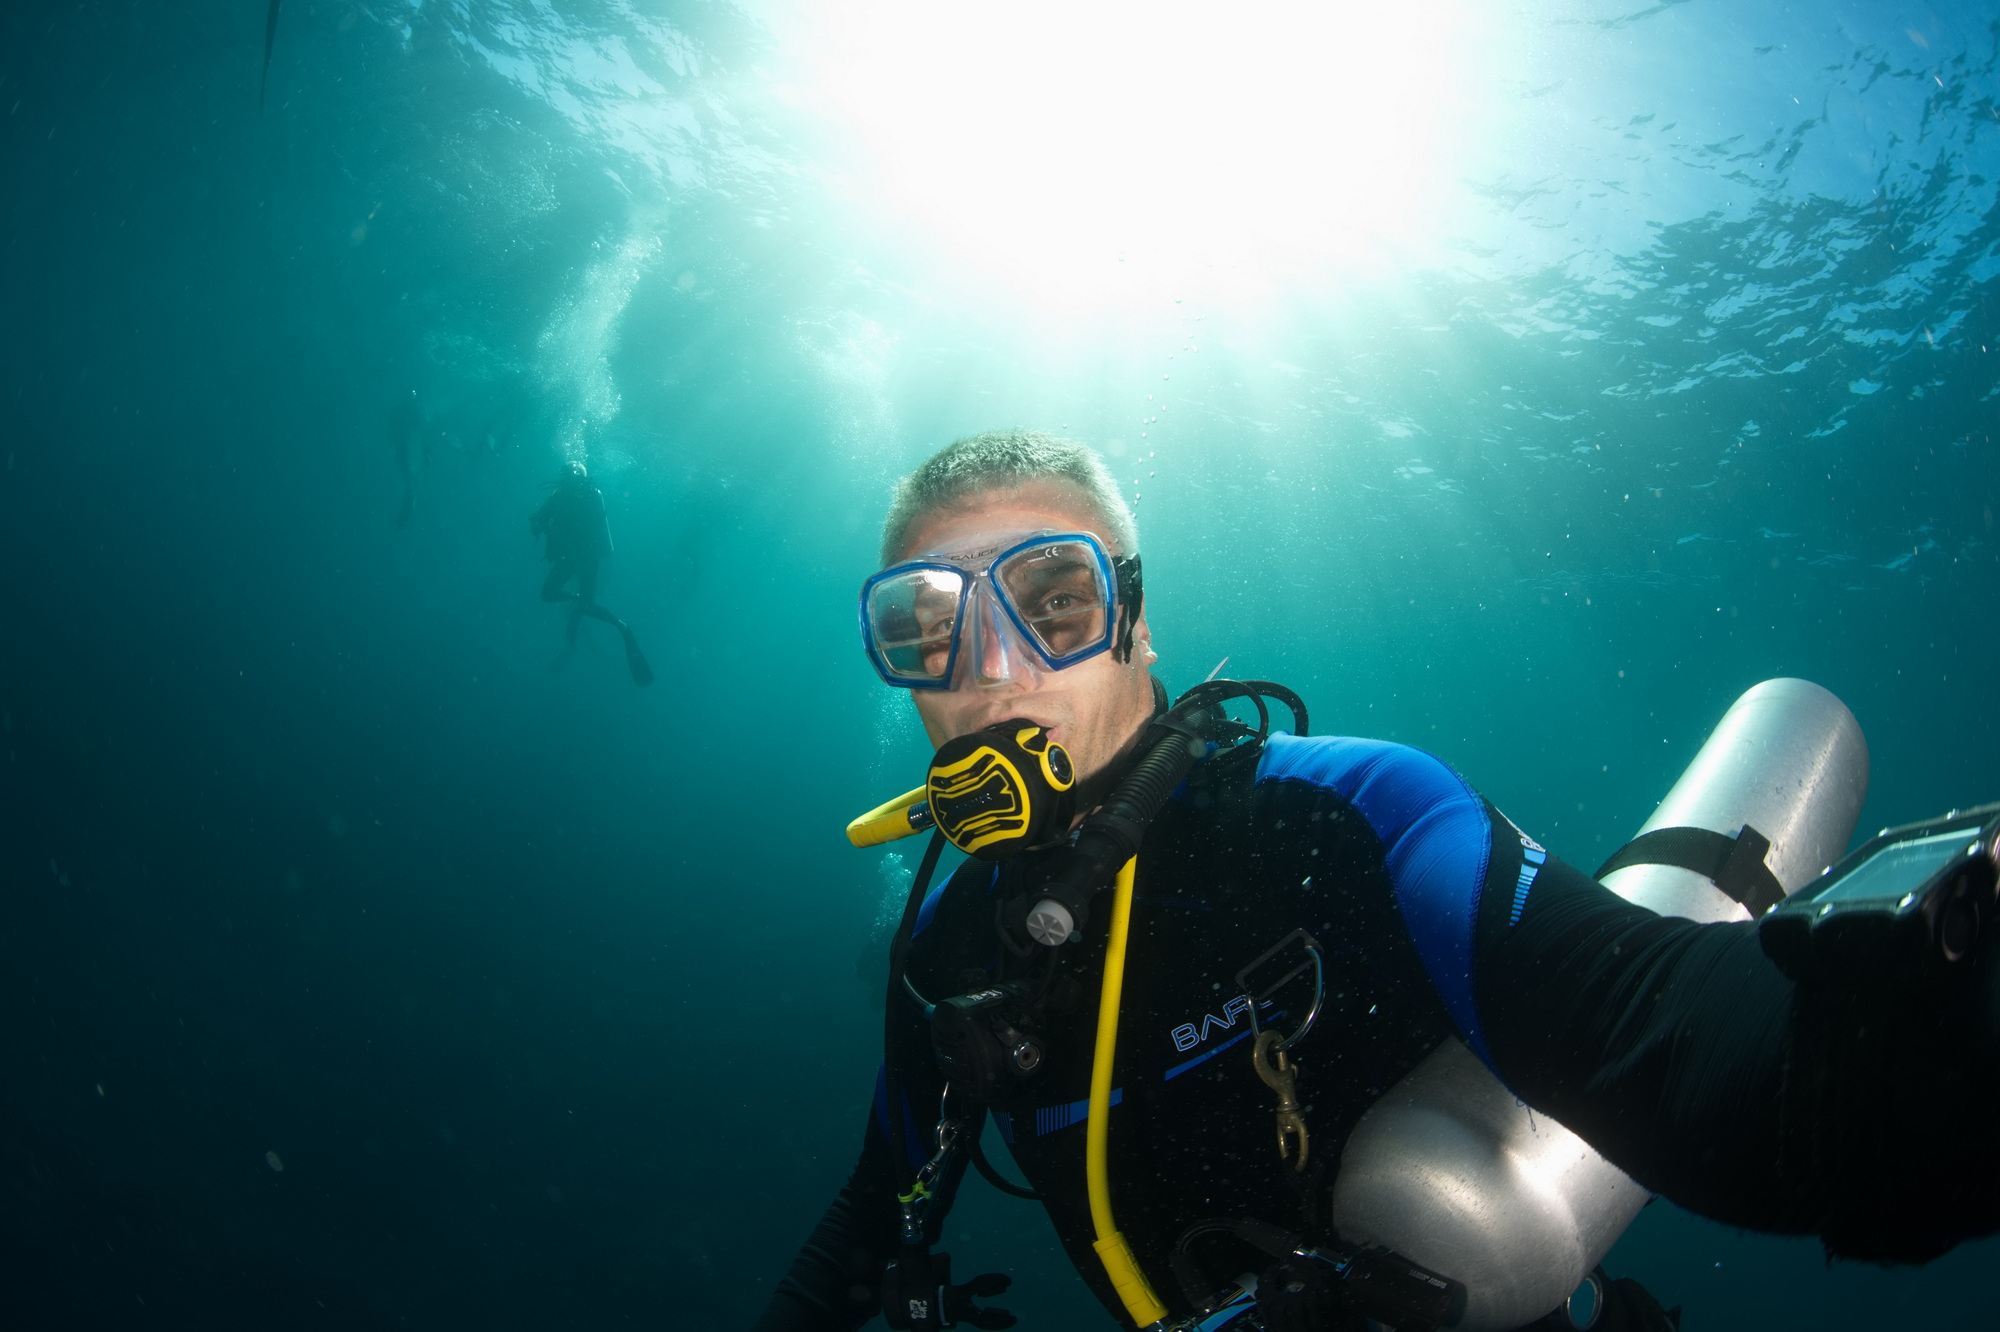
(642, 672)
(270, 39)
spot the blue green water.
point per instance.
(1519, 381)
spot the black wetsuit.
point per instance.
(1675, 1049)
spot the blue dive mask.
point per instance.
(1000, 612)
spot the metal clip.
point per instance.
(1315, 957)
(1281, 1075)
(917, 1202)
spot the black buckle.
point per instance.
(1733, 864)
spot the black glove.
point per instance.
(1298, 1295)
(925, 1300)
(958, 1300)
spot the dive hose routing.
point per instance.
(1008, 789)
(1113, 1250)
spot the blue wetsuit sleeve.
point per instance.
(1436, 837)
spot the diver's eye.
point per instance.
(911, 615)
(935, 645)
(1066, 620)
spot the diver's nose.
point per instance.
(995, 658)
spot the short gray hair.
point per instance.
(1006, 460)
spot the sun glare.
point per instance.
(1051, 144)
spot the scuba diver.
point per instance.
(1176, 1080)
(578, 535)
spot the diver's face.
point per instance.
(1096, 708)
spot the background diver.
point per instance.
(577, 534)
(1011, 609)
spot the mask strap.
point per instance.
(1131, 600)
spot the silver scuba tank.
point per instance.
(1789, 760)
(1450, 1170)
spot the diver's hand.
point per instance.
(926, 1301)
(958, 1306)
(1299, 1296)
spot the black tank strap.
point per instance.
(1733, 864)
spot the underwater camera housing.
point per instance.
(1918, 899)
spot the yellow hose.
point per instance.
(888, 820)
(1112, 1249)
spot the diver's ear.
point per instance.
(1142, 643)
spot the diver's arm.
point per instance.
(1686, 1057)
(1679, 1050)
(844, 1255)
(835, 1282)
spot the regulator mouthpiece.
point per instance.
(1001, 791)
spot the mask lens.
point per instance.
(911, 616)
(1058, 590)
